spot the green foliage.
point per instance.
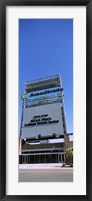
(69, 157)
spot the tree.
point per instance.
(69, 156)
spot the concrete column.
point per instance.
(20, 146)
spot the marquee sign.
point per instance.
(46, 92)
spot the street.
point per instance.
(49, 174)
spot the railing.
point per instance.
(43, 79)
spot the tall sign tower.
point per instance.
(43, 115)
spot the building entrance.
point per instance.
(42, 158)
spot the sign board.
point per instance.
(23, 96)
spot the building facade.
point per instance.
(43, 132)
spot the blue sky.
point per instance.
(45, 49)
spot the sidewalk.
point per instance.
(43, 166)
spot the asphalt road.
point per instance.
(46, 175)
